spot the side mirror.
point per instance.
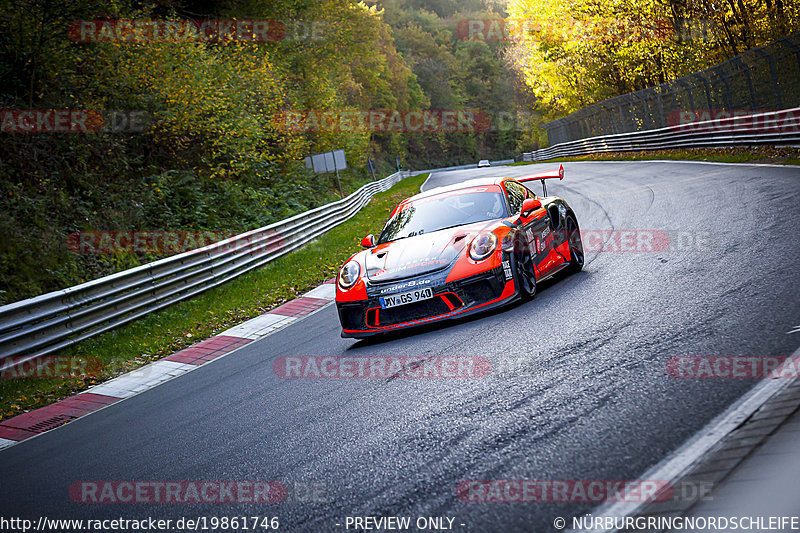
(368, 241)
(529, 205)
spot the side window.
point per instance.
(516, 194)
(555, 219)
(528, 192)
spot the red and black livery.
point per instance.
(457, 250)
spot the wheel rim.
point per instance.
(575, 244)
(527, 274)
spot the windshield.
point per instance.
(440, 212)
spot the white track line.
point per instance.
(671, 467)
(424, 183)
(682, 161)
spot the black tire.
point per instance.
(576, 256)
(524, 273)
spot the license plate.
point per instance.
(406, 298)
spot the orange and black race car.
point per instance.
(457, 250)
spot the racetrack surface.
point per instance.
(578, 388)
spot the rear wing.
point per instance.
(558, 173)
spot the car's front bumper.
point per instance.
(455, 299)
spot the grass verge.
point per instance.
(183, 324)
(762, 154)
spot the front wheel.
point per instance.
(524, 274)
(575, 245)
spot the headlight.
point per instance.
(483, 246)
(348, 275)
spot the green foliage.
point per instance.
(459, 74)
(580, 52)
(216, 154)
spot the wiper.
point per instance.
(395, 239)
(464, 224)
(448, 227)
(418, 233)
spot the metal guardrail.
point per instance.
(774, 127)
(465, 167)
(42, 325)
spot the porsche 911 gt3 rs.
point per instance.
(457, 250)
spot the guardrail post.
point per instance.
(645, 110)
(660, 101)
(726, 95)
(746, 70)
(787, 42)
(773, 74)
(688, 92)
(706, 88)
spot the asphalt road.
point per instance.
(578, 388)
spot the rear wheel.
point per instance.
(524, 273)
(575, 245)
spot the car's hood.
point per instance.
(418, 255)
